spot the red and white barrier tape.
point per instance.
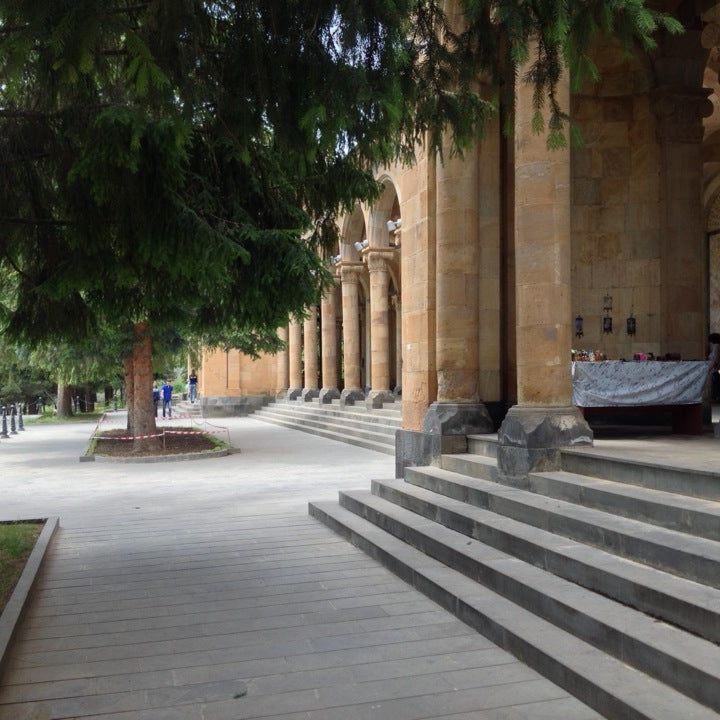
(147, 437)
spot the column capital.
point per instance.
(680, 112)
(350, 271)
(377, 259)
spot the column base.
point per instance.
(281, 394)
(447, 418)
(397, 391)
(376, 398)
(351, 396)
(530, 438)
(293, 393)
(414, 448)
(327, 395)
(309, 394)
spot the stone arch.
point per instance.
(354, 229)
(382, 211)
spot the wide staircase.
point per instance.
(185, 407)
(604, 577)
(356, 425)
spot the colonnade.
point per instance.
(299, 375)
(490, 284)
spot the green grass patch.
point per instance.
(53, 419)
(16, 543)
(217, 442)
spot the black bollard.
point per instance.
(4, 434)
(13, 430)
(21, 422)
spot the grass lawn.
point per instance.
(16, 543)
(49, 419)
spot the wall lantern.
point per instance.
(579, 326)
(631, 324)
(607, 303)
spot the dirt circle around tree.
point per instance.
(178, 441)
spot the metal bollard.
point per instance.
(4, 434)
(13, 430)
(21, 422)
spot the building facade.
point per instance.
(460, 293)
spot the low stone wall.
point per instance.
(232, 406)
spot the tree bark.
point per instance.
(129, 390)
(64, 400)
(143, 408)
(89, 400)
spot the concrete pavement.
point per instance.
(203, 591)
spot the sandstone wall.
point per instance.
(232, 374)
(616, 215)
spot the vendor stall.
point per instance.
(675, 386)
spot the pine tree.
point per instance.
(179, 164)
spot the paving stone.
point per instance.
(165, 588)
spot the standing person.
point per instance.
(167, 398)
(193, 386)
(156, 396)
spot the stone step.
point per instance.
(655, 476)
(380, 424)
(591, 462)
(483, 445)
(369, 432)
(682, 602)
(388, 408)
(604, 682)
(381, 447)
(669, 510)
(684, 555)
(351, 412)
(686, 662)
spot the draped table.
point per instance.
(674, 386)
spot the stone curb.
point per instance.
(220, 452)
(13, 612)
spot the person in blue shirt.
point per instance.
(167, 398)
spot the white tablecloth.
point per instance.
(624, 384)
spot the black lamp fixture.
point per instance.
(579, 326)
(607, 324)
(631, 325)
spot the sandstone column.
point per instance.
(282, 382)
(351, 333)
(328, 327)
(295, 360)
(544, 419)
(397, 309)
(379, 327)
(458, 410)
(310, 340)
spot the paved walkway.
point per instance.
(171, 588)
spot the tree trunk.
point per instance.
(89, 400)
(143, 408)
(129, 388)
(64, 400)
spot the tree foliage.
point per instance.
(180, 162)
